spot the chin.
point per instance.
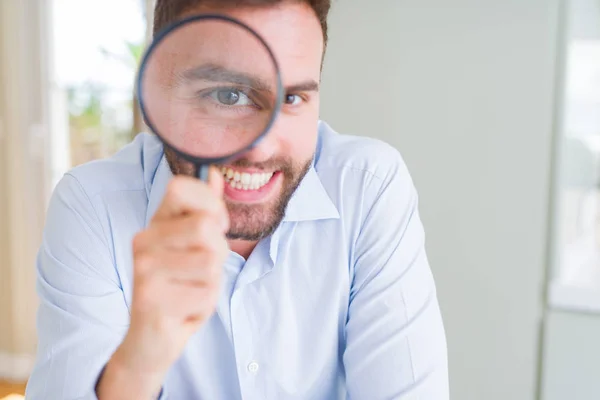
(253, 222)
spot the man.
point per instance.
(155, 284)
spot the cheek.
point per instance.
(210, 137)
(299, 136)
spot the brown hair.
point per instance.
(167, 11)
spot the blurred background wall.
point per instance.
(465, 90)
(492, 105)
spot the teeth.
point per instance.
(245, 180)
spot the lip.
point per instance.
(254, 196)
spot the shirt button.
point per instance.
(253, 367)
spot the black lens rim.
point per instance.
(159, 37)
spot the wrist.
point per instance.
(120, 381)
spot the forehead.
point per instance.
(291, 30)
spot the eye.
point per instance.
(231, 97)
(293, 99)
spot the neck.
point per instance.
(242, 247)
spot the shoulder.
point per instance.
(347, 159)
(84, 201)
(119, 185)
(363, 177)
(357, 155)
(131, 169)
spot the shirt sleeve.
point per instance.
(395, 339)
(82, 315)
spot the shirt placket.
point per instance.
(244, 322)
(246, 351)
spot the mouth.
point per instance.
(250, 186)
(242, 180)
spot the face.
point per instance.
(260, 183)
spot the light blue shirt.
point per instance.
(338, 303)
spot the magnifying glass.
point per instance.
(210, 88)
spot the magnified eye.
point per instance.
(231, 97)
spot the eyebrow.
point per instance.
(308, 86)
(216, 73)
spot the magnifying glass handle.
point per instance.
(202, 172)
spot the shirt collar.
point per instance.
(309, 202)
(156, 187)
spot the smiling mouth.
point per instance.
(246, 181)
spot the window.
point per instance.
(576, 278)
(96, 49)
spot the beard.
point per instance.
(253, 222)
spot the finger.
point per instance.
(189, 231)
(204, 269)
(197, 268)
(185, 302)
(185, 194)
(216, 181)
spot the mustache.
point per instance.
(276, 163)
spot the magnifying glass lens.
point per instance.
(209, 88)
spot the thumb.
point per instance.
(216, 181)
